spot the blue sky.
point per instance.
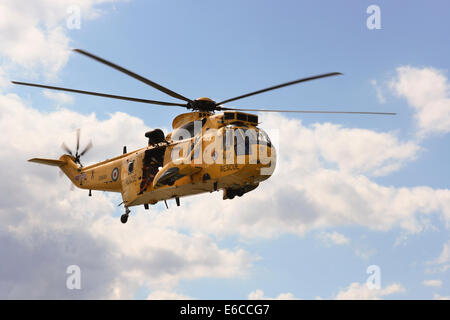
(223, 49)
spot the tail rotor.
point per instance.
(77, 155)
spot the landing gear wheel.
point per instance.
(124, 218)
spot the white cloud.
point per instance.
(441, 263)
(54, 228)
(445, 254)
(432, 283)
(164, 256)
(259, 295)
(334, 238)
(362, 151)
(26, 43)
(34, 33)
(4, 82)
(439, 297)
(315, 188)
(359, 291)
(59, 97)
(380, 95)
(364, 252)
(427, 91)
(322, 181)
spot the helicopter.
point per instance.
(205, 152)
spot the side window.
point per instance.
(227, 139)
(239, 142)
(131, 167)
(241, 139)
(197, 150)
(244, 138)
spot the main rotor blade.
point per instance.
(134, 75)
(281, 86)
(66, 149)
(311, 111)
(112, 96)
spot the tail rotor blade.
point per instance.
(77, 154)
(66, 149)
(87, 148)
(78, 142)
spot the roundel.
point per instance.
(115, 174)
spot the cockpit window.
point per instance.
(188, 130)
(189, 127)
(241, 146)
(263, 138)
(242, 138)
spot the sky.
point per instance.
(357, 208)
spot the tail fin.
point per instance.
(49, 162)
(65, 163)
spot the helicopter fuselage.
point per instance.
(204, 153)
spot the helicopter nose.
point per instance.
(264, 166)
(267, 161)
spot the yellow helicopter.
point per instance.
(205, 152)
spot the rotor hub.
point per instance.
(203, 104)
